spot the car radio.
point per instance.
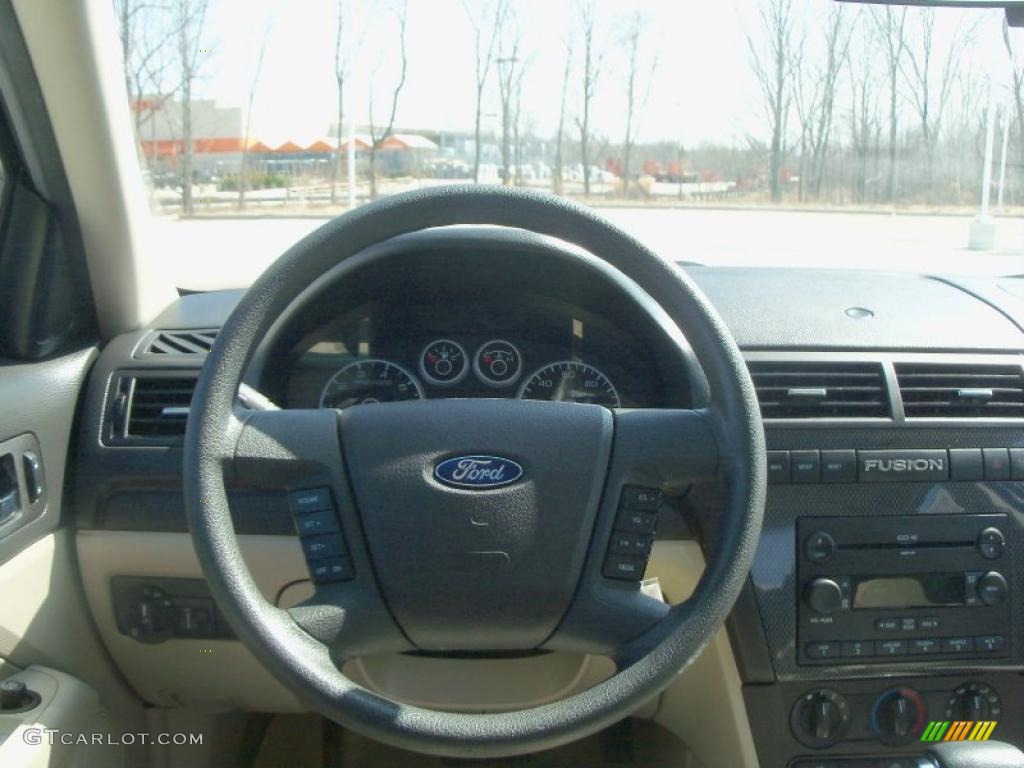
(903, 588)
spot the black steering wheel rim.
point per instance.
(304, 664)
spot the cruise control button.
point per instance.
(638, 498)
(997, 463)
(823, 650)
(957, 644)
(625, 567)
(313, 523)
(635, 521)
(630, 543)
(331, 570)
(839, 466)
(310, 500)
(806, 466)
(966, 464)
(319, 547)
(778, 467)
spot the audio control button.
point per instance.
(925, 646)
(928, 624)
(887, 625)
(819, 547)
(823, 650)
(990, 643)
(991, 543)
(891, 647)
(824, 596)
(992, 588)
(858, 649)
(957, 644)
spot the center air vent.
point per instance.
(942, 390)
(151, 407)
(819, 389)
(191, 342)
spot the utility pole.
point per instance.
(1002, 159)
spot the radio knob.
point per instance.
(825, 596)
(992, 588)
(897, 715)
(820, 718)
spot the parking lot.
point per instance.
(229, 252)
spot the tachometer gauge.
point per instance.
(497, 363)
(370, 381)
(444, 362)
(570, 381)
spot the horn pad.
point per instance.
(467, 559)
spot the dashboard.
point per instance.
(888, 587)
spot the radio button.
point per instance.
(778, 467)
(928, 624)
(908, 624)
(819, 547)
(992, 588)
(858, 649)
(822, 650)
(966, 464)
(997, 463)
(957, 644)
(891, 647)
(990, 643)
(806, 466)
(991, 543)
(839, 466)
(887, 625)
(925, 646)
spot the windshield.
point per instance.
(735, 132)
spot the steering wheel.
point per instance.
(419, 577)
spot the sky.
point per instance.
(701, 89)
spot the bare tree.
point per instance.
(837, 48)
(509, 77)
(189, 20)
(635, 101)
(591, 73)
(929, 98)
(243, 173)
(1016, 86)
(484, 44)
(145, 29)
(773, 66)
(379, 134)
(891, 26)
(339, 81)
(865, 121)
(558, 173)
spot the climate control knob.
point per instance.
(823, 596)
(974, 701)
(820, 717)
(898, 716)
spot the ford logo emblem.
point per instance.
(477, 472)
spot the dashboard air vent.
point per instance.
(971, 391)
(190, 342)
(819, 389)
(152, 407)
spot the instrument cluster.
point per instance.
(386, 353)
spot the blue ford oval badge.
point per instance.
(477, 472)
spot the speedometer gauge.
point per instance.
(370, 381)
(570, 381)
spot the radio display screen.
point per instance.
(912, 591)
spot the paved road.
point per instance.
(217, 253)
